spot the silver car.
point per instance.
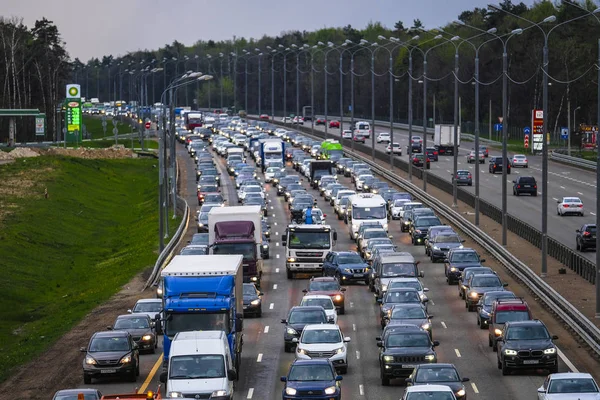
(471, 157)
(519, 160)
(569, 385)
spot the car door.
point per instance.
(327, 266)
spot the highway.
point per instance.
(563, 181)
(264, 360)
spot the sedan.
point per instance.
(440, 374)
(586, 237)
(334, 124)
(419, 159)
(432, 153)
(471, 157)
(519, 160)
(358, 138)
(252, 300)
(73, 394)
(346, 134)
(569, 385)
(320, 121)
(569, 205)
(463, 177)
(395, 148)
(141, 328)
(383, 137)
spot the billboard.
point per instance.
(537, 130)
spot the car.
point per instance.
(379, 186)
(439, 374)
(432, 233)
(414, 283)
(214, 199)
(439, 392)
(111, 353)
(471, 157)
(141, 328)
(496, 165)
(307, 377)
(401, 295)
(525, 184)
(519, 160)
(265, 247)
(324, 301)
(252, 300)
(356, 137)
(334, 123)
(484, 150)
(324, 341)
(527, 345)
(204, 190)
(298, 120)
(420, 227)
(329, 286)
(264, 117)
(463, 280)
(432, 153)
(193, 251)
(443, 243)
(401, 349)
(368, 251)
(297, 319)
(463, 177)
(397, 207)
(569, 205)
(419, 159)
(414, 148)
(505, 310)
(457, 260)
(77, 394)
(346, 134)
(569, 385)
(383, 137)
(346, 266)
(320, 121)
(199, 239)
(585, 237)
(410, 314)
(486, 303)
(478, 284)
(250, 189)
(202, 218)
(152, 308)
(270, 174)
(388, 266)
(370, 233)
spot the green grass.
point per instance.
(60, 257)
(104, 143)
(94, 127)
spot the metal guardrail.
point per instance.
(471, 138)
(575, 161)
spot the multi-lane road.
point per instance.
(264, 361)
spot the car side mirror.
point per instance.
(283, 379)
(284, 238)
(129, 311)
(135, 346)
(109, 328)
(261, 294)
(425, 290)
(505, 284)
(339, 378)
(83, 349)
(465, 380)
(343, 289)
(482, 260)
(304, 291)
(446, 260)
(379, 343)
(422, 274)
(514, 181)
(554, 337)
(463, 240)
(430, 317)
(284, 321)
(163, 377)
(334, 233)
(578, 231)
(436, 343)
(408, 380)
(379, 301)
(541, 390)
(558, 201)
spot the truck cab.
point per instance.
(306, 247)
(366, 207)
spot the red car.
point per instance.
(329, 286)
(359, 138)
(334, 124)
(320, 121)
(264, 117)
(205, 189)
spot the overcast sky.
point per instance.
(97, 28)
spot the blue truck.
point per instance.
(204, 293)
(271, 150)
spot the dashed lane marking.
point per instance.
(444, 325)
(354, 327)
(274, 286)
(457, 353)
(431, 302)
(593, 213)
(562, 187)
(277, 269)
(266, 329)
(474, 386)
(351, 305)
(259, 358)
(271, 306)
(579, 193)
(361, 390)
(250, 393)
(555, 199)
(357, 355)
(277, 256)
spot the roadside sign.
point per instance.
(564, 133)
(73, 113)
(39, 126)
(148, 125)
(500, 119)
(527, 130)
(537, 123)
(526, 141)
(349, 108)
(498, 127)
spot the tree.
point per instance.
(399, 28)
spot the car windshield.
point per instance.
(103, 344)
(375, 234)
(324, 286)
(408, 340)
(571, 200)
(427, 221)
(436, 375)
(490, 298)
(464, 256)
(204, 366)
(306, 317)
(349, 259)
(531, 332)
(369, 212)
(511, 316)
(403, 296)
(391, 270)
(213, 198)
(313, 336)
(406, 284)
(572, 385)
(309, 240)
(485, 281)
(131, 323)
(326, 303)
(249, 289)
(408, 313)
(433, 395)
(310, 372)
(148, 307)
(447, 239)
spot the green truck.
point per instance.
(331, 148)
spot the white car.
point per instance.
(395, 147)
(346, 134)
(286, 120)
(569, 385)
(569, 205)
(398, 207)
(413, 283)
(270, 173)
(249, 189)
(321, 300)
(149, 307)
(323, 341)
(360, 181)
(298, 121)
(428, 392)
(519, 160)
(383, 137)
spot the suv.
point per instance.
(111, 353)
(346, 266)
(324, 341)
(496, 165)
(503, 311)
(420, 227)
(527, 345)
(393, 265)
(457, 260)
(586, 237)
(307, 377)
(525, 184)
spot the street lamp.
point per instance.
(221, 80)
(331, 47)
(375, 46)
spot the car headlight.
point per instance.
(473, 294)
(125, 360)
(147, 337)
(405, 222)
(290, 391)
(159, 291)
(460, 393)
(89, 360)
(497, 332)
(426, 325)
(330, 390)
(510, 352)
(175, 394)
(291, 259)
(436, 248)
(453, 269)
(291, 331)
(461, 246)
(551, 350)
(484, 312)
(255, 302)
(300, 351)
(384, 287)
(340, 350)
(430, 357)
(265, 246)
(347, 270)
(368, 254)
(338, 297)
(388, 358)
(218, 393)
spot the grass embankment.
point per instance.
(94, 127)
(60, 257)
(101, 144)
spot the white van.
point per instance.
(200, 366)
(366, 207)
(362, 128)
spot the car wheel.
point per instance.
(581, 213)
(505, 370)
(133, 376)
(342, 311)
(577, 246)
(489, 341)
(287, 348)
(494, 346)
(344, 370)
(290, 274)
(553, 370)
(482, 325)
(259, 313)
(385, 381)
(153, 351)
(477, 322)
(87, 379)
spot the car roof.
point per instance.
(406, 279)
(307, 308)
(76, 391)
(323, 279)
(428, 388)
(111, 333)
(132, 316)
(436, 365)
(530, 322)
(154, 300)
(317, 296)
(312, 361)
(570, 375)
(330, 327)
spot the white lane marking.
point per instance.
(351, 305)
(555, 199)
(579, 193)
(562, 187)
(483, 171)
(250, 393)
(509, 181)
(275, 223)
(444, 325)
(259, 358)
(354, 327)
(277, 269)
(474, 386)
(540, 193)
(566, 177)
(431, 302)
(457, 353)
(567, 362)
(274, 286)
(593, 213)
(357, 355)
(276, 233)
(266, 329)
(449, 171)
(361, 390)
(272, 208)
(277, 244)
(271, 306)
(276, 255)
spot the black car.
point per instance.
(484, 307)
(459, 259)
(297, 319)
(525, 184)
(395, 296)
(465, 276)
(443, 243)
(402, 348)
(111, 353)
(432, 153)
(439, 374)
(420, 227)
(526, 345)
(416, 148)
(265, 249)
(586, 237)
(496, 165)
(141, 328)
(252, 300)
(479, 284)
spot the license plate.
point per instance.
(526, 186)
(531, 361)
(407, 366)
(108, 371)
(245, 307)
(358, 275)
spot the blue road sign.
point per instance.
(527, 130)
(564, 133)
(349, 108)
(498, 127)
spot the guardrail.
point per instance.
(567, 256)
(575, 161)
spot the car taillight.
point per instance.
(535, 186)
(518, 186)
(470, 176)
(565, 205)
(586, 234)
(435, 153)
(581, 205)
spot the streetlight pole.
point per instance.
(364, 42)
(221, 80)
(259, 81)
(209, 57)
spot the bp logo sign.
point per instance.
(73, 91)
